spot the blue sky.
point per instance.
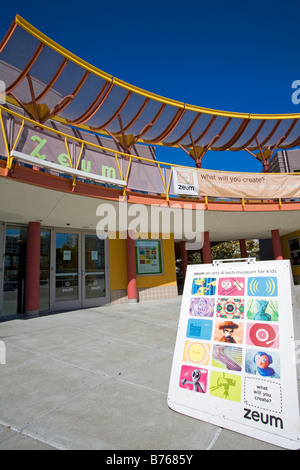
(230, 55)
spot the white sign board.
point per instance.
(185, 182)
(234, 362)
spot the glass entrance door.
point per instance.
(94, 275)
(45, 265)
(14, 271)
(79, 271)
(67, 292)
(2, 237)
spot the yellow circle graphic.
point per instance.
(198, 353)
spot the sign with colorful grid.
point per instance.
(234, 362)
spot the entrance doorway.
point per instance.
(13, 301)
(79, 270)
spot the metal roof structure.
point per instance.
(48, 82)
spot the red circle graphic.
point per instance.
(262, 335)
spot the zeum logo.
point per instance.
(185, 182)
(296, 93)
(264, 418)
(2, 353)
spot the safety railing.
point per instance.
(57, 149)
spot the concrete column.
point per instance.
(32, 290)
(184, 258)
(277, 245)
(206, 251)
(131, 268)
(243, 249)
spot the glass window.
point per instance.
(14, 271)
(94, 267)
(45, 270)
(66, 267)
(294, 244)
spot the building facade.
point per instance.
(285, 161)
(288, 161)
(59, 178)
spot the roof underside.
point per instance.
(48, 82)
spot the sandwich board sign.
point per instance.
(234, 362)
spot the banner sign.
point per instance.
(252, 185)
(49, 146)
(231, 185)
(234, 362)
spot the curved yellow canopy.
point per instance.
(49, 82)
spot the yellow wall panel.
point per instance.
(118, 269)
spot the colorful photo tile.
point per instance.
(262, 286)
(230, 332)
(262, 335)
(197, 353)
(262, 363)
(231, 286)
(202, 307)
(226, 386)
(231, 309)
(204, 286)
(193, 378)
(199, 329)
(227, 357)
(262, 310)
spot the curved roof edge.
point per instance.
(48, 82)
(69, 55)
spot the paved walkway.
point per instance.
(98, 379)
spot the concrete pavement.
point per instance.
(98, 379)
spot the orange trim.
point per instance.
(253, 206)
(3, 170)
(48, 181)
